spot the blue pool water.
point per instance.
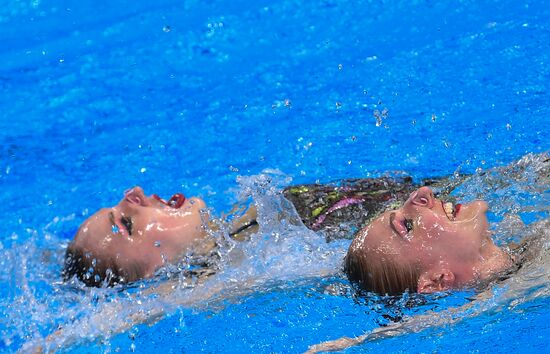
(209, 98)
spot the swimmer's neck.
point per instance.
(494, 261)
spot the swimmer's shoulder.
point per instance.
(535, 242)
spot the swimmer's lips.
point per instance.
(176, 201)
(451, 214)
(457, 209)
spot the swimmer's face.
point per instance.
(143, 230)
(449, 244)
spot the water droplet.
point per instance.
(157, 243)
(380, 116)
(288, 103)
(166, 29)
(143, 170)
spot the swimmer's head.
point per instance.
(134, 238)
(425, 246)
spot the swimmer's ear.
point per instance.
(435, 280)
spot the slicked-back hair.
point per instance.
(96, 271)
(380, 275)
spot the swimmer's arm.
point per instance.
(409, 325)
(240, 222)
(242, 226)
(100, 325)
(245, 225)
(110, 320)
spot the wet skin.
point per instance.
(143, 229)
(450, 249)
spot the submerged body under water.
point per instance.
(286, 281)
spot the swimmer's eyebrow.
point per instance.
(392, 218)
(112, 218)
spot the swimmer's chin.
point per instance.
(476, 210)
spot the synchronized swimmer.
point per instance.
(425, 245)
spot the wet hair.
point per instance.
(382, 276)
(96, 271)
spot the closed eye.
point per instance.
(408, 224)
(128, 224)
(400, 224)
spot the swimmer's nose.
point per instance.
(135, 195)
(423, 196)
